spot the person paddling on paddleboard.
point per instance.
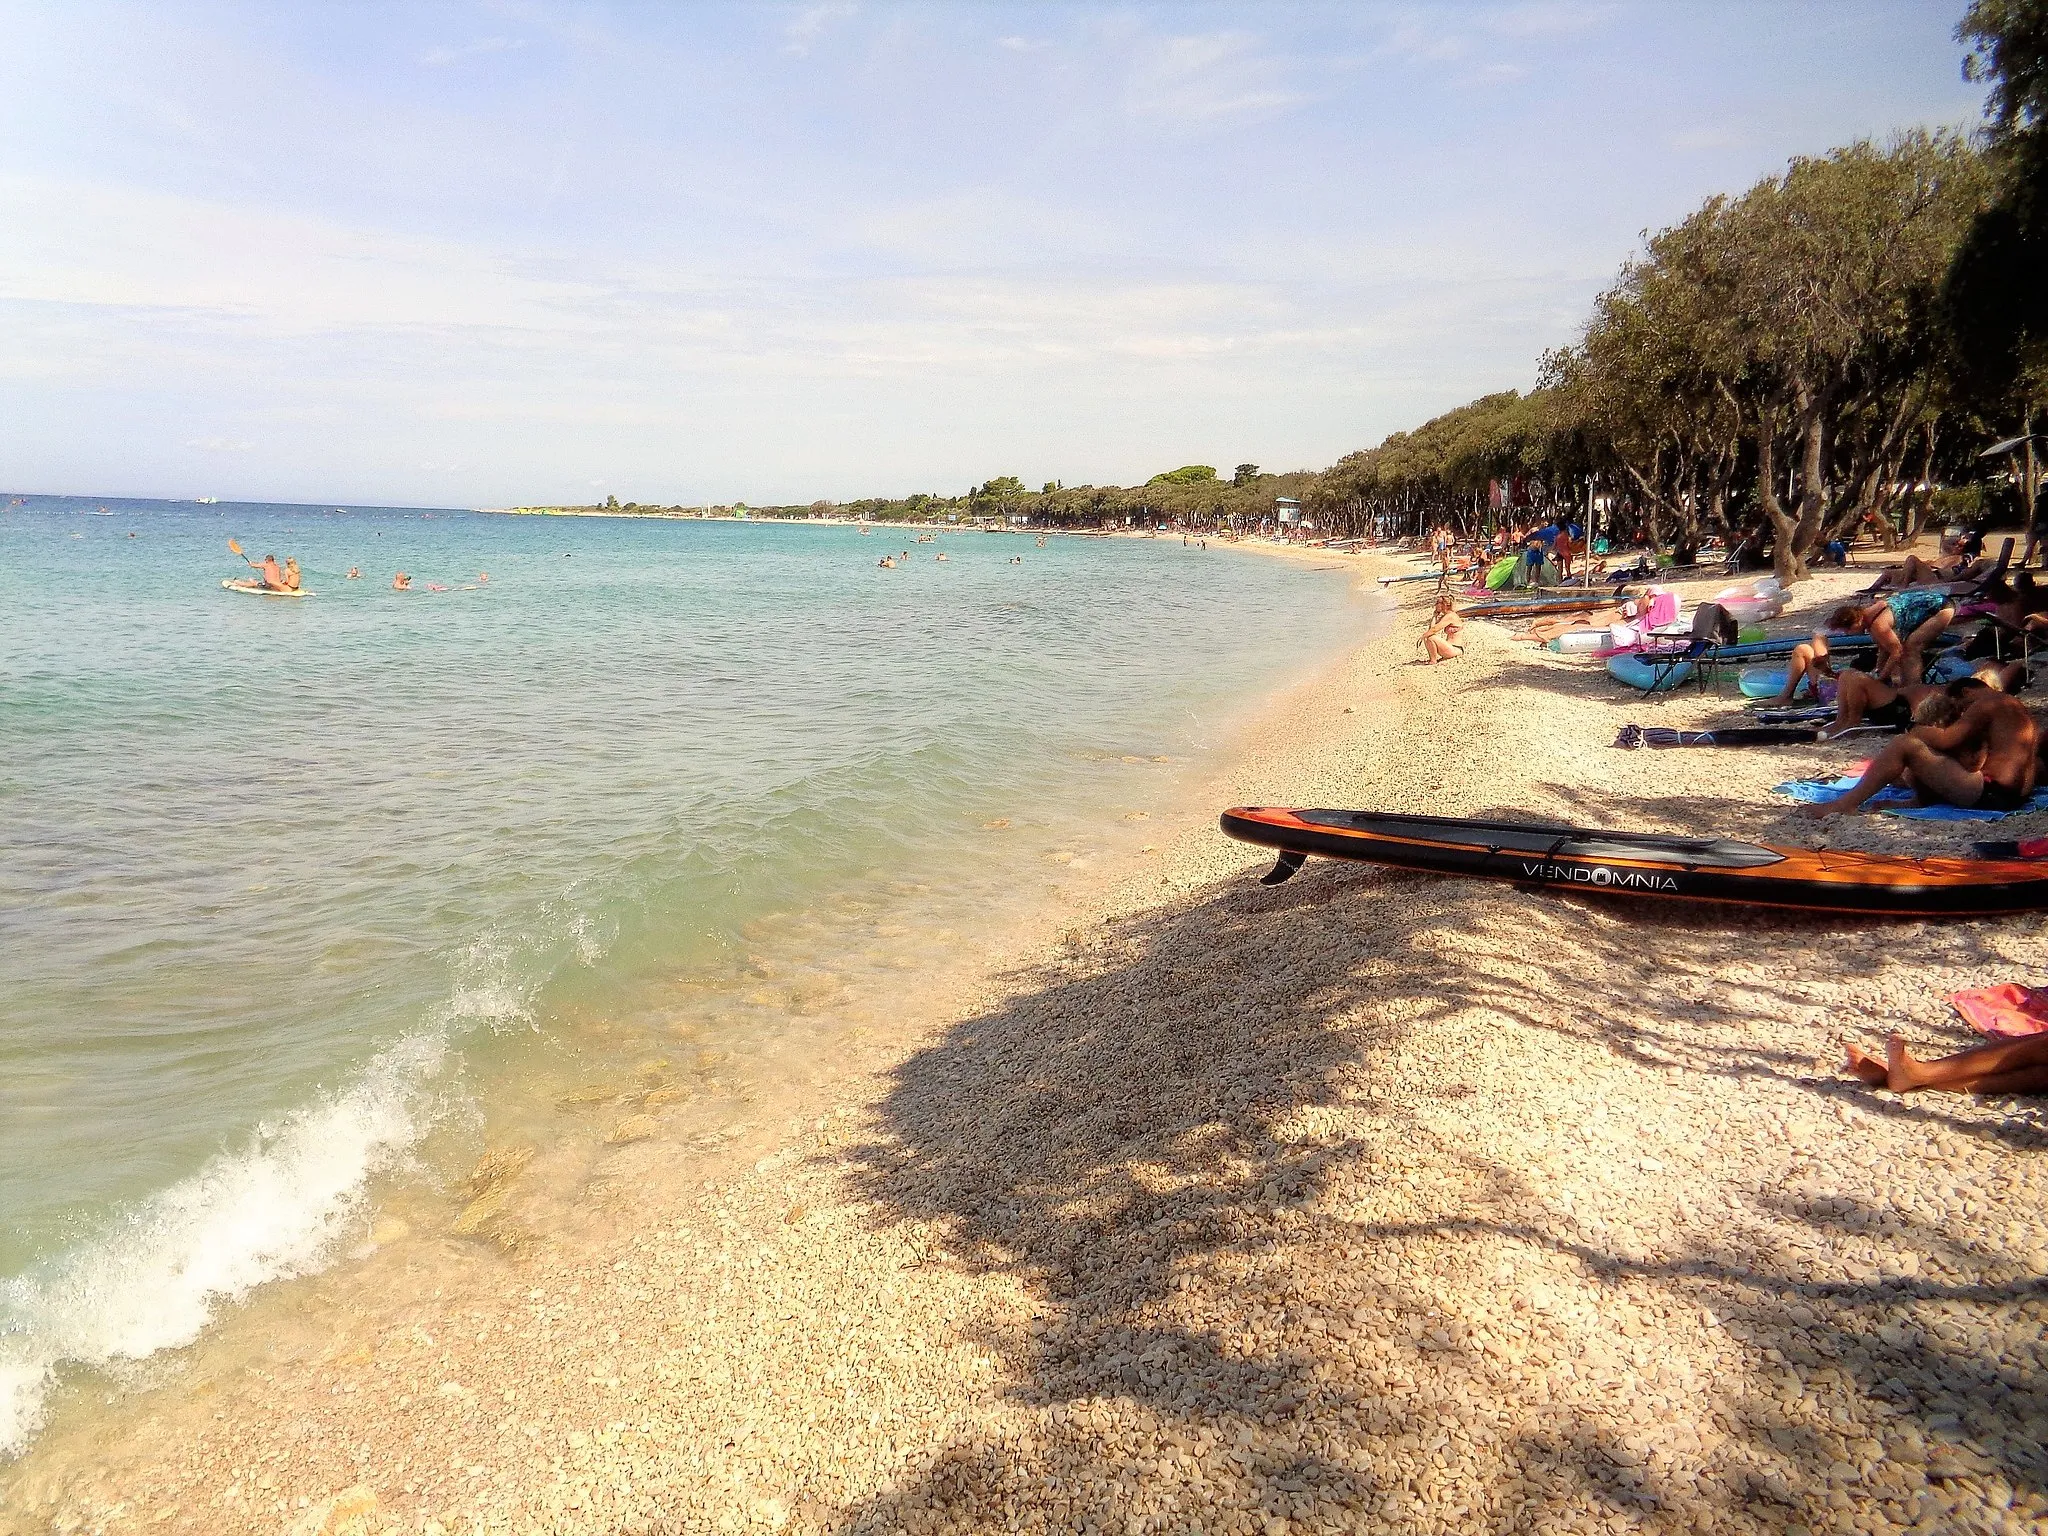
(269, 574)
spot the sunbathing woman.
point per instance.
(1914, 571)
(1862, 699)
(1440, 640)
(2004, 1066)
(1543, 631)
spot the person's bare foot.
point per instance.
(1901, 1071)
(1871, 1069)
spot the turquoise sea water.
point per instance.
(283, 883)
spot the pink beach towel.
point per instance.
(2004, 1012)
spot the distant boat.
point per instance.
(207, 501)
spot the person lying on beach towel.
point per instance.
(2008, 1066)
(1987, 759)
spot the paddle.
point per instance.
(237, 549)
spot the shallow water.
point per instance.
(288, 887)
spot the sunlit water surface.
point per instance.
(289, 885)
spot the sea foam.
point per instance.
(277, 1207)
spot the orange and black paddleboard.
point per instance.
(2003, 878)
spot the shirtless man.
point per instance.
(271, 577)
(1936, 760)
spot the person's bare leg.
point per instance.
(1860, 693)
(1804, 655)
(1871, 1069)
(1912, 658)
(1886, 769)
(2004, 1066)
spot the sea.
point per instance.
(305, 900)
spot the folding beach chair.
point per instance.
(1712, 627)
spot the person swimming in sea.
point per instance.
(355, 573)
(401, 582)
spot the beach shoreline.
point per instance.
(1372, 1199)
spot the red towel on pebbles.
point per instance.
(2005, 1012)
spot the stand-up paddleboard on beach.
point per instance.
(243, 584)
(1649, 864)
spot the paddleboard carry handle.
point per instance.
(1286, 869)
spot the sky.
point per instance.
(498, 253)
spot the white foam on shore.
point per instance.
(275, 1208)
(282, 1205)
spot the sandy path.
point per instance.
(1369, 1202)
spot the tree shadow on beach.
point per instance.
(1222, 1151)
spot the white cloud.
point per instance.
(1212, 75)
(454, 54)
(808, 25)
(1548, 18)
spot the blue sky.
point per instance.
(480, 254)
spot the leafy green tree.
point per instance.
(1995, 301)
(1244, 475)
(1187, 474)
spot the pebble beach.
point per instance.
(1374, 1201)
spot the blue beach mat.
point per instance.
(1899, 801)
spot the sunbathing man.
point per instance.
(1440, 640)
(2003, 1066)
(1941, 764)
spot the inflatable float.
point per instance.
(1634, 864)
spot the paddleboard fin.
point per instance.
(1284, 871)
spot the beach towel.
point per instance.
(2006, 1012)
(1898, 800)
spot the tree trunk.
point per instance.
(1787, 558)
